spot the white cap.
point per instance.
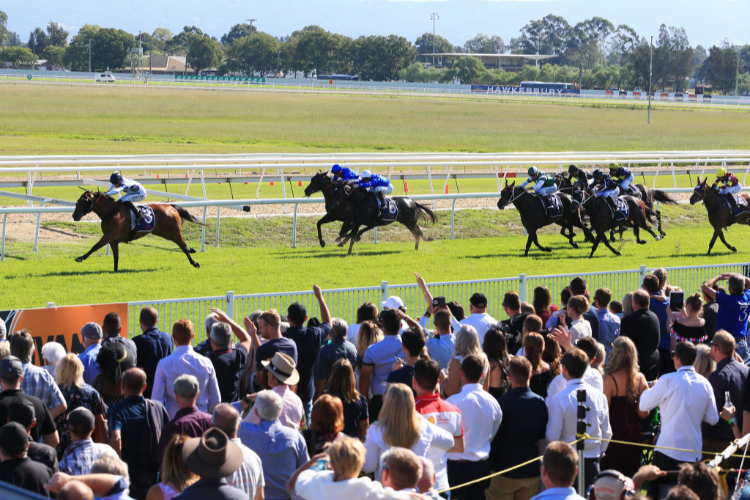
(392, 303)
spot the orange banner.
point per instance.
(61, 324)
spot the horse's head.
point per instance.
(84, 205)
(319, 182)
(507, 194)
(579, 195)
(699, 193)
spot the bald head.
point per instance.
(75, 490)
(427, 481)
(227, 419)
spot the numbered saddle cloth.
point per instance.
(147, 222)
(554, 206)
(623, 210)
(389, 212)
(741, 204)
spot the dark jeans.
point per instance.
(666, 362)
(374, 406)
(659, 488)
(463, 472)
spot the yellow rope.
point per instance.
(586, 436)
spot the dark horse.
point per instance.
(367, 214)
(338, 205)
(116, 223)
(602, 219)
(719, 213)
(534, 215)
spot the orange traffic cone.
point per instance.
(272, 183)
(299, 183)
(406, 186)
(446, 189)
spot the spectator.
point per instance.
(92, 336)
(478, 317)
(249, 477)
(189, 420)
(659, 305)
(378, 361)
(426, 484)
(81, 454)
(467, 343)
(578, 286)
(343, 385)
(682, 492)
(541, 372)
(175, 476)
(22, 412)
(598, 362)
(281, 450)
(184, 360)
(4, 350)
(338, 348)
(733, 317)
(282, 374)
(412, 343)
(36, 381)
(441, 346)
(559, 471)
(114, 359)
(3, 331)
(702, 480)
(563, 413)
(623, 386)
(711, 312)
(684, 400)
(401, 426)
(77, 394)
(513, 326)
(542, 303)
(269, 328)
(704, 365)
(112, 328)
(609, 323)
(366, 312)
(151, 346)
(11, 380)
(482, 415)
(642, 327)
(524, 423)
(16, 467)
(212, 457)
(730, 377)
(444, 414)
(457, 310)
(52, 353)
(111, 466)
(627, 305)
(496, 350)
(369, 333)
(554, 320)
(591, 376)
(104, 485)
(532, 324)
(691, 327)
(661, 275)
(227, 360)
(135, 427)
(401, 470)
(247, 382)
(527, 308)
(615, 307)
(552, 354)
(205, 348)
(326, 423)
(574, 325)
(75, 490)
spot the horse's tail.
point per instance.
(425, 214)
(663, 197)
(185, 215)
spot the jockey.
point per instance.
(728, 184)
(608, 189)
(132, 189)
(578, 177)
(344, 175)
(544, 185)
(623, 178)
(377, 184)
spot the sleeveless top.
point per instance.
(685, 333)
(168, 491)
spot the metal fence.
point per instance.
(344, 302)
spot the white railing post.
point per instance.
(383, 291)
(522, 287)
(50, 304)
(643, 274)
(230, 304)
(453, 216)
(203, 230)
(5, 223)
(294, 227)
(218, 225)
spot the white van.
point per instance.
(107, 76)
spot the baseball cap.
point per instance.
(22, 411)
(81, 421)
(11, 367)
(392, 303)
(296, 312)
(478, 300)
(186, 386)
(13, 438)
(92, 331)
(611, 485)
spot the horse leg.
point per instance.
(352, 237)
(721, 235)
(637, 233)
(417, 233)
(596, 241)
(324, 220)
(345, 228)
(713, 240)
(540, 247)
(612, 235)
(115, 253)
(528, 245)
(606, 242)
(106, 238)
(180, 242)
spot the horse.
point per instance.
(367, 214)
(719, 213)
(338, 205)
(602, 219)
(534, 215)
(116, 223)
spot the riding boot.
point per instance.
(612, 205)
(381, 200)
(129, 205)
(732, 203)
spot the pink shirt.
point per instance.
(292, 414)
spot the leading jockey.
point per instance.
(623, 177)
(133, 190)
(377, 184)
(544, 185)
(344, 175)
(578, 177)
(608, 189)
(727, 184)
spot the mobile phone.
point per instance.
(320, 465)
(438, 302)
(676, 300)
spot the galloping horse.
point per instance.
(719, 213)
(116, 223)
(338, 205)
(534, 214)
(602, 219)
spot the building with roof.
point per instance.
(508, 62)
(165, 65)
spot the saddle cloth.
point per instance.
(147, 222)
(389, 212)
(741, 204)
(555, 206)
(623, 210)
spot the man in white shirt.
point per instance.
(249, 477)
(685, 399)
(478, 317)
(481, 415)
(563, 413)
(282, 373)
(591, 376)
(185, 361)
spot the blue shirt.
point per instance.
(660, 309)
(559, 494)
(152, 346)
(90, 366)
(375, 181)
(609, 328)
(524, 423)
(348, 174)
(733, 311)
(308, 341)
(622, 173)
(332, 352)
(441, 349)
(129, 417)
(381, 357)
(281, 450)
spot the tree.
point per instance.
(549, 35)
(77, 53)
(620, 44)
(699, 55)
(57, 35)
(204, 52)
(483, 44)
(178, 43)
(238, 31)
(637, 65)
(323, 52)
(586, 46)
(722, 67)
(424, 44)
(111, 47)
(4, 31)
(54, 56)
(160, 37)
(381, 58)
(17, 56)
(468, 70)
(257, 52)
(14, 40)
(38, 41)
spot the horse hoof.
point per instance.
(196, 265)
(575, 245)
(618, 253)
(322, 244)
(79, 259)
(191, 250)
(358, 239)
(733, 249)
(548, 250)
(341, 244)
(644, 242)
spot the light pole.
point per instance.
(650, 70)
(737, 73)
(89, 46)
(434, 17)
(251, 21)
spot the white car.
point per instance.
(107, 77)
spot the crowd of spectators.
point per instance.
(299, 407)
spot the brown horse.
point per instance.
(719, 213)
(116, 223)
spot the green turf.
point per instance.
(101, 120)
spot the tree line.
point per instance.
(593, 53)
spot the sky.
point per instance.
(706, 23)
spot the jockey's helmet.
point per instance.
(533, 171)
(366, 174)
(721, 172)
(115, 178)
(336, 169)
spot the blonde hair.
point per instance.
(271, 317)
(533, 343)
(601, 353)
(369, 334)
(4, 350)
(624, 357)
(69, 372)
(467, 343)
(627, 304)
(347, 457)
(398, 418)
(173, 468)
(703, 364)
